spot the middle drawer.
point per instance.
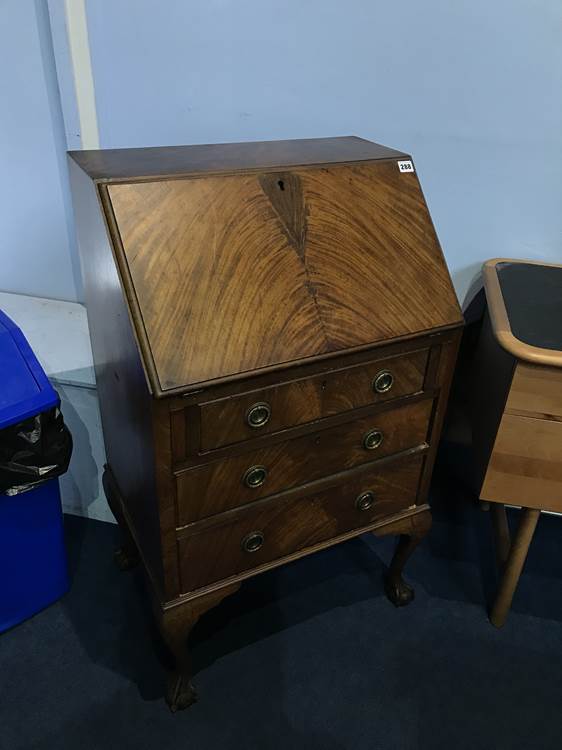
(231, 482)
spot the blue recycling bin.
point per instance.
(33, 567)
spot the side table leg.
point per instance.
(514, 565)
(502, 538)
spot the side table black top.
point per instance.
(525, 303)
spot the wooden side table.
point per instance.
(516, 407)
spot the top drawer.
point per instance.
(248, 415)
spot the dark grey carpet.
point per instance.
(310, 656)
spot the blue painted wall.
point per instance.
(472, 90)
(37, 239)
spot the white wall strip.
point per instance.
(77, 29)
(65, 73)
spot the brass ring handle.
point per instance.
(252, 541)
(255, 476)
(383, 381)
(258, 414)
(372, 440)
(365, 500)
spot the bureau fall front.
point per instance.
(274, 331)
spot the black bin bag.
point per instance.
(34, 451)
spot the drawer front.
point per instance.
(526, 464)
(243, 417)
(536, 392)
(262, 534)
(221, 485)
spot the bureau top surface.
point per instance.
(228, 274)
(164, 161)
(525, 301)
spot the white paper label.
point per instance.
(405, 166)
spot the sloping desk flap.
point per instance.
(239, 272)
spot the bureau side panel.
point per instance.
(125, 402)
(439, 376)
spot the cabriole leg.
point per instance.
(397, 590)
(514, 565)
(175, 628)
(126, 556)
(175, 624)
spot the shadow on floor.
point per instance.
(307, 656)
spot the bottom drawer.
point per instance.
(244, 540)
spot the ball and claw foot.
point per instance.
(180, 693)
(398, 591)
(124, 559)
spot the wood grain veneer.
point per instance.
(294, 283)
(295, 522)
(288, 273)
(223, 421)
(298, 460)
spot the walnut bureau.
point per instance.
(274, 333)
